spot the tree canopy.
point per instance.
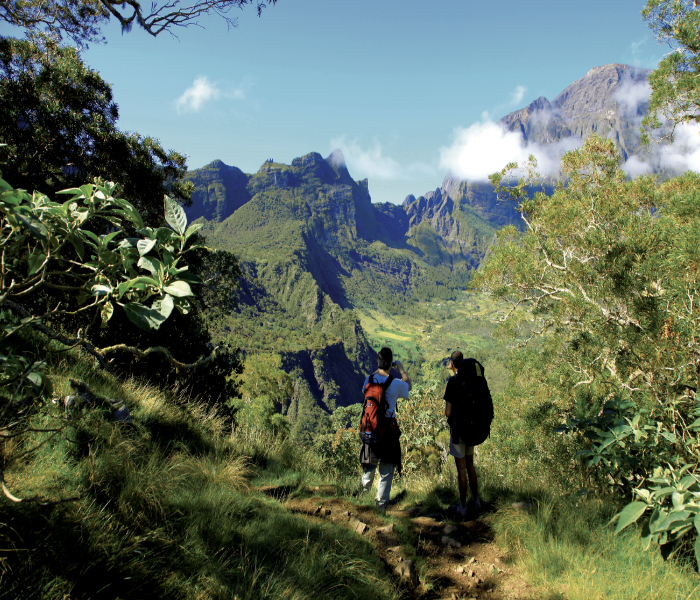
(82, 20)
(675, 97)
(58, 121)
(609, 268)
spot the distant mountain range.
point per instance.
(312, 243)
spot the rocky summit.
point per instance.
(609, 100)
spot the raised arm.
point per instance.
(404, 375)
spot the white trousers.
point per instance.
(386, 474)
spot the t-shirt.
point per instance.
(453, 391)
(397, 389)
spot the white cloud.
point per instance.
(195, 96)
(487, 147)
(636, 165)
(631, 95)
(517, 95)
(202, 91)
(684, 153)
(372, 162)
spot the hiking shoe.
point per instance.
(459, 509)
(474, 504)
(381, 506)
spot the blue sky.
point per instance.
(390, 82)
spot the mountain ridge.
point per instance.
(314, 248)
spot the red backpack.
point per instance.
(374, 422)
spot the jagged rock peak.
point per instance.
(410, 199)
(336, 158)
(540, 104)
(595, 92)
(308, 159)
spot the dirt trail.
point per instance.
(460, 560)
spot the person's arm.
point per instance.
(404, 375)
(448, 410)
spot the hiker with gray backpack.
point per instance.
(379, 431)
(469, 412)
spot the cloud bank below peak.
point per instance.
(486, 147)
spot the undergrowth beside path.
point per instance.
(179, 506)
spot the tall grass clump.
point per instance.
(166, 507)
(565, 546)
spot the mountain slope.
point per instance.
(313, 247)
(608, 100)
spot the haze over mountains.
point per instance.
(312, 243)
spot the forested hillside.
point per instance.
(313, 247)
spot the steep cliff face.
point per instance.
(219, 191)
(313, 246)
(608, 101)
(281, 308)
(482, 198)
(447, 226)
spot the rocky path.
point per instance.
(458, 560)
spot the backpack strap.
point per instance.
(385, 387)
(471, 367)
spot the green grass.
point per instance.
(168, 509)
(171, 508)
(567, 547)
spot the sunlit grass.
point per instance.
(169, 508)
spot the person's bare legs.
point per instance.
(473, 483)
(461, 464)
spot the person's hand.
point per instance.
(399, 366)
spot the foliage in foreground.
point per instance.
(48, 245)
(611, 266)
(58, 121)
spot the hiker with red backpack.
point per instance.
(469, 412)
(379, 430)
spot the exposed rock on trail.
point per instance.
(429, 557)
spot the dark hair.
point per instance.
(385, 358)
(456, 357)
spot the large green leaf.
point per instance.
(35, 226)
(143, 317)
(175, 215)
(145, 246)
(164, 305)
(179, 289)
(100, 290)
(189, 277)
(78, 245)
(136, 281)
(106, 239)
(35, 262)
(130, 212)
(673, 521)
(129, 243)
(192, 229)
(151, 264)
(164, 234)
(630, 514)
